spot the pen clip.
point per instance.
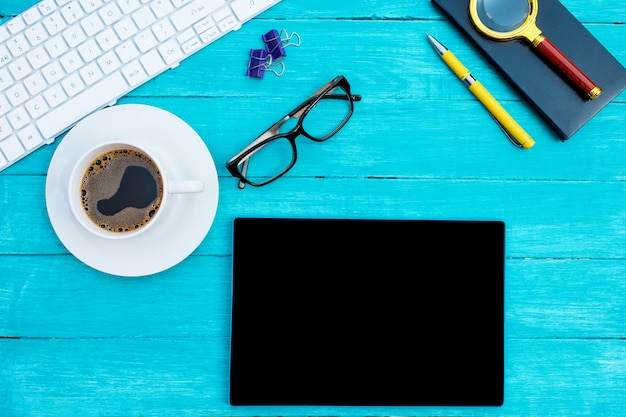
(506, 132)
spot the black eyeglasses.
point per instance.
(318, 118)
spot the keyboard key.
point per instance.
(134, 73)
(180, 3)
(145, 40)
(185, 36)
(5, 79)
(153, 63)
(54, 23)
(55, 96)
(5, 128)
(16, 25)
(163, 30)
(4, 33)
(91, 73)
(38, 57)
(46, 7)
(56, 46)
(128, 6)
(12, 148)
(110, 14)
(5, 106)
(203, 25)
(72, 12)
(31, 16)
(36, 107)
(127, 52)
(125, 28)
(60, 118)
(73, 85)
(53, 72)
(36, 34)
(161, 8)
(210, 35)
(71, 61)
(19, 68)
(35, 84)
(192, 45)
(30, 137)
(109, 62)
(92, 24)
(230, 23)
(17, 94)
(5, 55)
(90, 5)
(18, 118)
(245, 9)
(107, 39)
(89, 50)
(222, 14)
(144, 17)
(171, 52)
(74, 36)
(18, 45)
(194, 11)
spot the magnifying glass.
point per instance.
(512, 19)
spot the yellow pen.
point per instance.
(514, 131)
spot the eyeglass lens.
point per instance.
(328, 115)
(321, 122)
(270, 160)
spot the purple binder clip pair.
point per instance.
(261, 61)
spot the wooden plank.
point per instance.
(188, 377)
(406, 138)
(546, 219)
(606, 11)
(58, 297)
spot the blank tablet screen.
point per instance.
(367, 312)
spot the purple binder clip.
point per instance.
(261, 61)
(275, 45)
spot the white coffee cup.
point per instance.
(118, 190)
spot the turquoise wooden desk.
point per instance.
(77, 342)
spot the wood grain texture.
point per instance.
(74, 341)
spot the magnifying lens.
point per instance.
(512, 19)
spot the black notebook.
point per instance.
(562, 106)
(367, 312)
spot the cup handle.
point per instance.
(181, 187)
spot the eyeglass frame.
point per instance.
(273, 133)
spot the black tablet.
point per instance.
(367, 312)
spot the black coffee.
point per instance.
(121, 190)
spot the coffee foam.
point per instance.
(101, 181)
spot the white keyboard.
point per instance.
(61, 60)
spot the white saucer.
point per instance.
(181, 229)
